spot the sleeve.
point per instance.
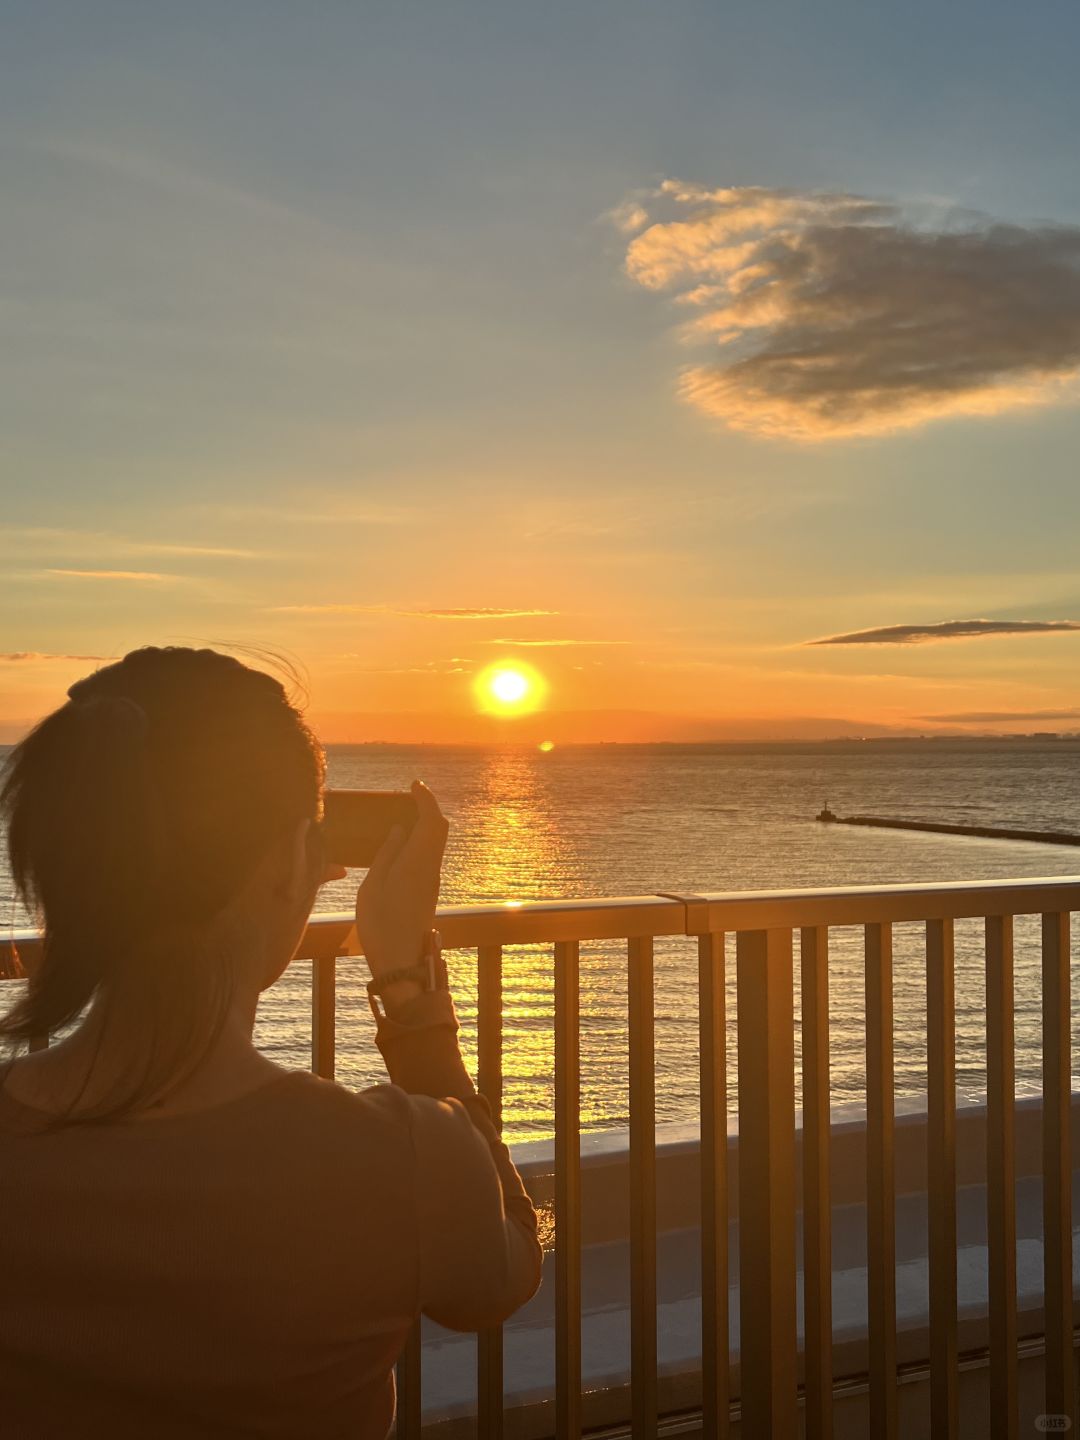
(480, 1258)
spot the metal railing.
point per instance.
(766, 926)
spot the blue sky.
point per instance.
(338, 287)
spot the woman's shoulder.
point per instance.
(386, 1115)
(320, 1099)
(308, 1088)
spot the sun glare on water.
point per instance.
(510, 689)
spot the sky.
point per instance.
(719, 363)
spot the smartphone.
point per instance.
(356, 822)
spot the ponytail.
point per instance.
(78, 788)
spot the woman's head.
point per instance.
(141, 816)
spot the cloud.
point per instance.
(484, 613)
(94, 544)
(327, 609)
(839, 315)
(946, 630)
(967, 717)
(453, 666)
(214, 552)
(320, 509)
(151, 575)
(629, 216)
(505, 640)
(19, 656)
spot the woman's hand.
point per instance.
(395, 905)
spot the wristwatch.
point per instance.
(429, 973)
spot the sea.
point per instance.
(619, 820)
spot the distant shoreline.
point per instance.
(905, 744)
(900, 744)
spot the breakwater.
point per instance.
(984, 832)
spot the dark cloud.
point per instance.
(946, 630)
(839, 315)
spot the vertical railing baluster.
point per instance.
(407, 1418)
(817, 1203)
(567, 1192)
(409, 1396)
(1057, 1168)
(642, 1189)
(489, 1027)
(1001, 1177)
(880, 1183)
(323, 1008)
(13, 968)
(712, 1040)
(767, 1284)
(941, 1174)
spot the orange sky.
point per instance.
(378, 346)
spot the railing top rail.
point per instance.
(873, 904)
(523, 922)
(626, 916)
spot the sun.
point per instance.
(510, 688)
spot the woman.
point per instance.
(194, 1241)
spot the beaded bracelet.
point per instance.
(429, 973)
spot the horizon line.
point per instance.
(912, 739)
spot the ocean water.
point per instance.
(609, 820)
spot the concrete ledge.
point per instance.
(529, 1345)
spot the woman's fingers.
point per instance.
(425, 800)
(396, 902)
(422, 844)
(386, 854)
(432, 824)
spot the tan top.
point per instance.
(253, 1269)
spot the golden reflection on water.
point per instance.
(513, 834)
(528, 825)
(513, 838)
(517, 839)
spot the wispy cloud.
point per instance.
(840, 315)
(328, 609)
(946, 630)
(453, 666)
(482, 613)
(319, 509)
(507, 640)
(213, 552)
(56, 540)
(34, 656)
(994, 717)
(492, 612)
(153, 576)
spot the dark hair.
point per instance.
(135, 813)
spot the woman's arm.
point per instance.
(480, 1258)
(479, 1255)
